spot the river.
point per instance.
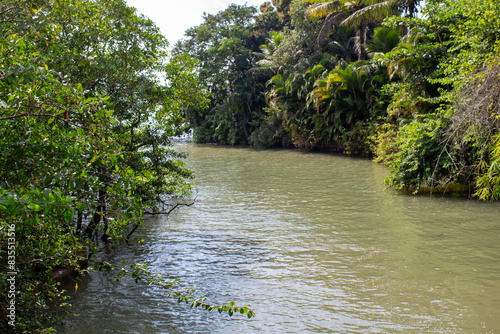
(314, 244)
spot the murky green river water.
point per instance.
(313, 244)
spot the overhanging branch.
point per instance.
(136, 226)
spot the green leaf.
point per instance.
(7, 201)
(15, 210)
(34, 206)
(68, 215)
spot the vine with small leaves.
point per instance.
(140, 272)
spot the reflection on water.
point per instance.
(315, 245)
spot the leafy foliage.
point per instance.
(85, 122)
(226, 47)
(446, 66)
(488, 182)
(413, 163)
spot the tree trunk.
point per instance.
(102, 200)
(79, 222)
(99, 214)
(94, 222)
(362, 41)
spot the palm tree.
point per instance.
(333, 10)
(344, 43)
(358, 13)
(410, 7)
(343, 97)
(273, 42)
(288, 101)
(384, 40)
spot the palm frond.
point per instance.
(357, 47)
(384, 40)
(277, 80)
(266, 63)
(312, 2)
(371, 13)
(373, 2)
(321, 10)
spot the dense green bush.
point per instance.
(417, 155)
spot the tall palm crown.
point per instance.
(358, 13)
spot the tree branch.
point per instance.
(169, 211)
(136, 226)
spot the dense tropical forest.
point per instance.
(91, 95)
(412, 84)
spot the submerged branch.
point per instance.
(136, 226)
(169, 211)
